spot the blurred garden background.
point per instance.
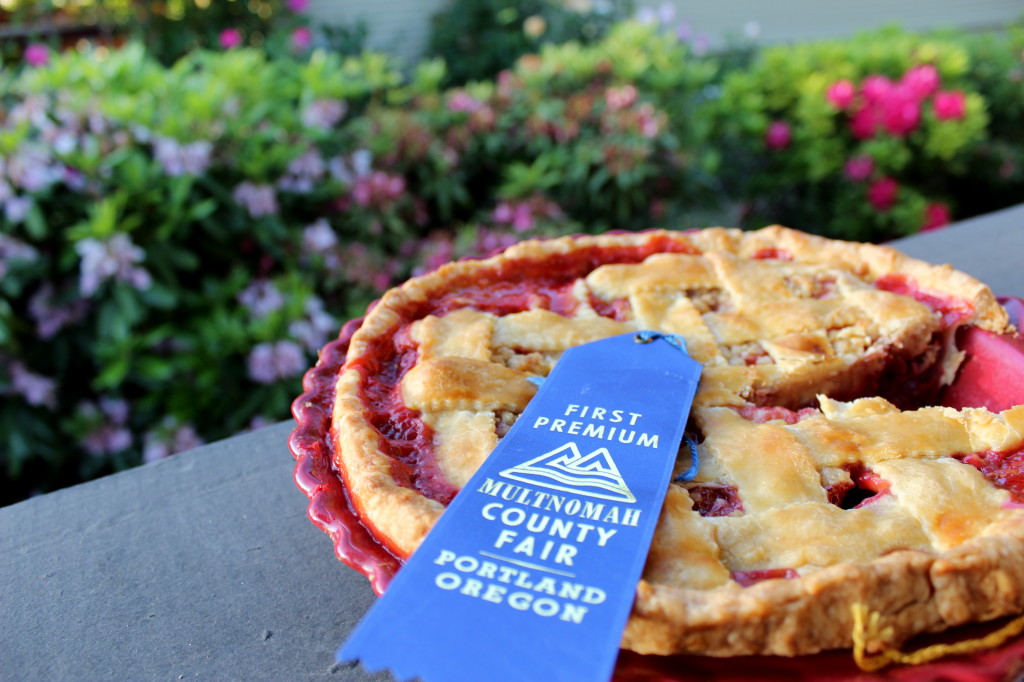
(195, 194)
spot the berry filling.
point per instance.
(514, 287)
(863, 488)
(772, 254)
(618, 309)
(748, 578)
(1003, 469)
(715, 500)
(954, 311)
(763, 415)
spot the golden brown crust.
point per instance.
(769, 332)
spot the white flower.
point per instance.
(324, 113)
(113, 258)
(258, 200)
(269, 362)
(261, 298)
(319, 237)
(178, 159)
(34, 388)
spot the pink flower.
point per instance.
(298, 5)
(882, 193)
(876, 88)
(778, 135)
(230, 38)
(950, 105)
(462, 101)
(522, 219)
(841, 94)
(620, 98)
(921, 80)
(901, 112)
(859, 168)
(865, 121)
(935, 216)
(302, 38)
(37, 54)
(503, 213)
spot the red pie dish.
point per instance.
(829, 360)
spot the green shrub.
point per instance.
(480, 38)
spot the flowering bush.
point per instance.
(480, 38)
(171, 29)
(867, 138)
(157, 292)
(177, 242)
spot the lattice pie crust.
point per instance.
(763, 553)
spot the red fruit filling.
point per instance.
(513, 287)
(953, 310)
(772, 254)
(1004, 469)
(618, 309)
(748, 578)
(864, 488)
(763, 415)
(715, 500)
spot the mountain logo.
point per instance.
(565, 469)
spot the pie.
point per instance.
(827, 474)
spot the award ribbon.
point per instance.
(531, 572)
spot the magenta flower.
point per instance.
(901, 112)
(841, 94)
(36, 54)
(936, 215)
(522, 218)
(503, 213)
(778, 135)
(921, 80)
(461, 101)
(882, 193)
(302, 38)
(230, 38)
(859, 168)
(876, 88)
(377, 189)
(950, 105)
(298, 5)
(865, 121)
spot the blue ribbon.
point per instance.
(690, 473)
(673, 340)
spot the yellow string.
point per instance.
(867, 629)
